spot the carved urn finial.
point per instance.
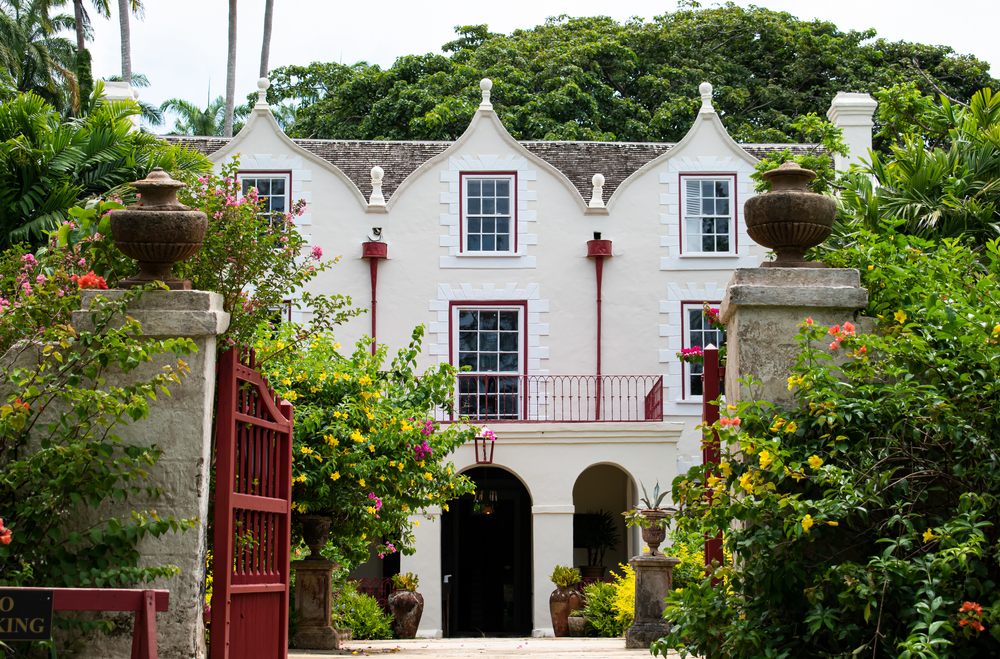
(158, 231)
(790, 219)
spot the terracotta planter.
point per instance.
(790, 219)
(577, 626)
(407, 607)
(655, 533)
(158, 231)
(562, 602)
(592, 571)
(316, 531)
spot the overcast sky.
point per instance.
(181, 44)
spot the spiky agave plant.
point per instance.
(654, 503)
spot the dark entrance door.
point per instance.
(486, 557)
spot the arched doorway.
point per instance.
(486, 558)
(601, 494)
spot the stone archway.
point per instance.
(486, 558)
(607, 488)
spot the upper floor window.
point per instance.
(272, 190)
(488, 216)
(708, 224)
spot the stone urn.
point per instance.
(790, 219)
(562, 602)
(315, 532)
(158, 231)
(577, 626)
(407, 607)
(654, 531)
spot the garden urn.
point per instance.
(790, 219)
(158, 231)
(315, 532)
(563, 601)
(407, 607)
(654, 531)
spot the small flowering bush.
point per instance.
(366, 450)
(257, 261)
(863, 518)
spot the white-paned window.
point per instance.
(697, 332)
(708, 215)
(489, 342)
(272, 190)
(488, 214)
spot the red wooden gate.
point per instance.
(252, 526)
(712, 378)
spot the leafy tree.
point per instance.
(48, 165)
(863, 517)
(36, 59)
(595, 78)
(366, 450)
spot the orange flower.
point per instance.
(90, 280)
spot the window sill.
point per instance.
(489, 255)
(708, 255)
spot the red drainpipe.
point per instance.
(599, 249)
(373, 251)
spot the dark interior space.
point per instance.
(486, 558)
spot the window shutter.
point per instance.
(693, 205)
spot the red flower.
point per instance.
(90, 280)
(835, 330)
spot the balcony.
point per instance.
(559, 398)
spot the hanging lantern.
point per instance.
(484, 442)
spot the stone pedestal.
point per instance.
(314, 602)
(762, 308)
(654, 579)
(181, 425)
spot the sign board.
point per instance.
(25, 614)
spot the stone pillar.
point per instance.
(762, 308)
(314, 601)
(654, 579)
(426, 564)
(552, 545)
(852, 113)
(181, 425)
(122, 91)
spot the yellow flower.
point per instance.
(392, 463)
(416, 522)
(807, 523)
(815, 462)
(361, 482)
(870, 268)
(746, 482)
(929, 535)
(776, 426)
(369, 415)
(791, 427)
(322, 376)
(279, 345)
(726, 469)
(371, 510)
(400, 466)
(405, 426)
(900, 316)
(713, 480)
(301, 478)
(371, 447)
(286, 382)
(356, 436)
(335, 475)
(765, 459)
(833, 523)
(428, 476)
(996, 330)
(306, 450)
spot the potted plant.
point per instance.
(598, 534)
(565, 598)
(406, 605)
(652, 519)
(577, 624)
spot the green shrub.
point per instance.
(690, 549)
(361, 613)
(600, 610)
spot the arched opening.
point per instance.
(600, 539)
(486, 558)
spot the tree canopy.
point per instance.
(597, 79)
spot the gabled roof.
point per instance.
(579, 161)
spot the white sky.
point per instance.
(181, 45)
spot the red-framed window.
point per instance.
(488, 207)
(708, 219)
(274, 189)
(491, 339)
(696, 331)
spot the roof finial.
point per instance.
(706, 97)
(377, 199)
(486, 85)
(597, 199)
(262, 85)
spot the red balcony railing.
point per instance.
(377, 587)
(562, 398)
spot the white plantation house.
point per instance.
(566, 275)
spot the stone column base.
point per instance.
(316, 638)
(642, 633)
